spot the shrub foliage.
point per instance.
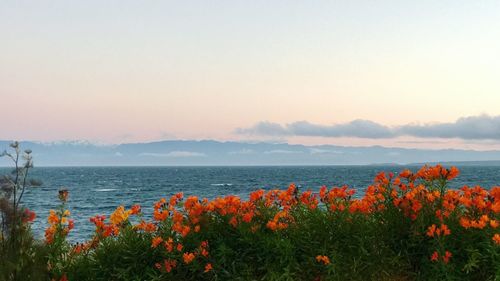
(408, 226)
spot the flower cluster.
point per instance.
(117, 219)
(180, 229)
(323, 259)
(59, 223)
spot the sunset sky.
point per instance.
(392, 73)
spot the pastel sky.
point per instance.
(129, 71)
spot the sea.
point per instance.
(99, 190)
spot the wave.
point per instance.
(105, 189)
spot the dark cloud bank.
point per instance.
(482, 127)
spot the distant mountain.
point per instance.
(465, 163)
(209, 152)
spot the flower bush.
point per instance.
(21, 256)
(408, 226)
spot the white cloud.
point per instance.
(324, 151)
(481, 127)
(174, 154)
(281, 151)
(242, 151)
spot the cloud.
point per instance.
(264, 128)
(174, 154)
(467, 128)
(324, 151)
(359, 128)
(470, 128)
(281, 151)
(242, 151)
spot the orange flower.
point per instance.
(119, 215)
(272, 225)
(434, 256)
(431, 230)
(53, 218)
(156, 241)
(174, 200)
(160, 204)
(208, 267)
(437, 172)
(405, 174)
(145, 226)
(447, 256)
(185, 231)
(496, 238)
(322, 192)
(323, 259)
(452, 173)
(438, 231)
(445, 230)
(160, 215)
(110, 230)
(495, 207)
(169, 244)
(256, 195)
(308, 199)
(465, 222)
(49, 234)
(247, 217)
(188, 257)
(494, 223)
(204, 252)
(98, 221)
(134, 210)
(170, 264)
(77, 248)
(233, 221)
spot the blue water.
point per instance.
(99, 190)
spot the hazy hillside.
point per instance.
(234, 153)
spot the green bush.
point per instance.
(409, 227)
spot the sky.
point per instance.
(394, 73)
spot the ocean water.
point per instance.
(99, 190)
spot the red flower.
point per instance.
(188, 257)
(208, 267)
(29, 215)
(496, 238)
(135, 210)
(447, 256)
(434, 256)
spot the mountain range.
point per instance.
(210, 152)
